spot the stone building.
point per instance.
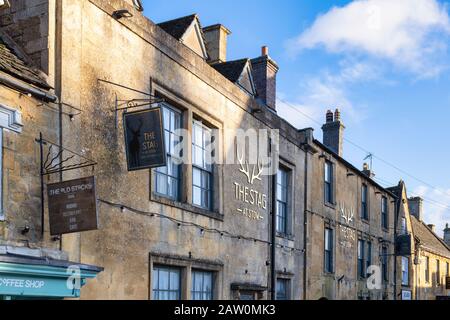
(423, 270)
(189, 231)
(30, 265)
(350, 220)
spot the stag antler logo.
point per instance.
(256, 172)
(347, 215)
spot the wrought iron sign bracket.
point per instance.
(57, 163)
(131, 103)
(124, 105)
(71, 114)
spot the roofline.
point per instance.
(352, 167)
(433, 233)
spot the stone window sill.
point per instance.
(186, 207)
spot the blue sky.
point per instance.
(384, 63)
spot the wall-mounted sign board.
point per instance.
(403, 245)
(144, 139)
(72, 206)
(406, 295)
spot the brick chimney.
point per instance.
(265, 77)
(216, 37)
(447, 235)
(416, 207)
(333, 132)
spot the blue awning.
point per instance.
(43, 277)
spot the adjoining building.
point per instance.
(30, 266)
(423, 257)
(350, 222)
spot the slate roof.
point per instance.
(11, 64)
(177, 27)
(231, 70)
(428, 238)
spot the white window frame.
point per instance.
(10, 119)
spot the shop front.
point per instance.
(42, 278)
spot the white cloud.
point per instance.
(436, 206)
(327, 91)
(410, 33)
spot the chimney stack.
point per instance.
(432, 227)
(416, 207)
(368, 171)
(447, 235)
(265, 77)
(333, 132)
(216, 37)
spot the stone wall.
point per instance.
(27, 22)
(344, 283)
(136, 53)
(21, 173)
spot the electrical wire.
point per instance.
(368, 152)
(202, 229)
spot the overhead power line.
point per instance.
(363, 149)
(388, 163)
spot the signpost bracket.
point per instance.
(57, 164)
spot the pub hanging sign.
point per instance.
(144, 139)
(72, 206)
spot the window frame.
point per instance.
(170, 269)
(328, 186)
(438, 272)
(202, 169)
(385, 264)
(287, 289)
(329, 259)
(369, 257)
(427, 269)
(195, 271)
(405, 283)
(361, 259)
(384, 213)
(364, 214)
(285, 204)
(170, 156)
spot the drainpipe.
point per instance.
(273, 276)
(305, 226)
(397, 212)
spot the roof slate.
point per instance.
(11, 64)
(231, 70)
(177, 27)
(428, 238)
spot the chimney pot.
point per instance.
(330, 117)
(265, 51)
(333, 132)
(337, 115)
